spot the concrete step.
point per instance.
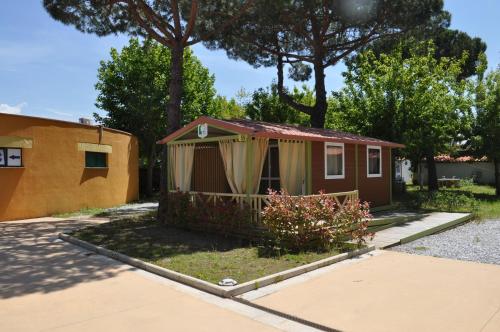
(410, 230)
(385, 220)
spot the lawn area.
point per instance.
(479, 199)
(204, 256)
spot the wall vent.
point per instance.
(85, 121)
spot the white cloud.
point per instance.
(5, 108)
(57, 112)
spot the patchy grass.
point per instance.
(478, 199)
(82, 212)
(204, 256)
(105, 212)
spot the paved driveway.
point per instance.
(54, 286)
(394, 292)
(46, 285)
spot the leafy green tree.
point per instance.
(266, 105)
(311, 35)
(132, 92)
(448, 43)
(486, 139)
(176, 24)
(417, 100)
(228, 109)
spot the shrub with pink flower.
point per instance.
(315, 222)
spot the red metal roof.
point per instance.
(280, 131)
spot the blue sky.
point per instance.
(49, 70)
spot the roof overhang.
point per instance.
(239, 129)
(220, 124)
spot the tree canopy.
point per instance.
(176, 24)
(317, 34)
(448, 43)
(486, 132)
(418, 101)
(264, 104)
(132, 92)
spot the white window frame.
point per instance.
(332, 177)
(6, 162)
(373, 147)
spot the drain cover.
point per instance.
(228, 282)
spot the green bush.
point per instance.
(466, 182)
(179, 208)
(447, 201)
(314, 222)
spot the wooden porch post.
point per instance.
(308, 168)
(166, 172)
(249, 176)
(249, 166)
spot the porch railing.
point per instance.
(258, 202)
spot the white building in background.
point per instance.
(403, 171)
(481, 170)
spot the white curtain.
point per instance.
(234, 157)
(259, 150)
(181, 165)
(292, 166)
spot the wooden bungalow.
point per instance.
(243, 158)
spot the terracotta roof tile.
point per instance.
(280, 130)
(445, 158)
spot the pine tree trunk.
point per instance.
(174, 122)
(150, 170)
(432, 181)
(496, 162)
(420, 175)
(319, 113)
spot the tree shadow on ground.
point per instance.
(128, 211)
(33, 260)
(149, 240)
(146, 239)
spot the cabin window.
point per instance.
(271, 170)
(96, 159)
(374, 159)
(334, 161)
(11, 157)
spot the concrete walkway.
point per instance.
(49, 285)
(388, 291)
(412, 230)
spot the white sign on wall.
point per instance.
(2, 157)
(13, 157)
(202, 130)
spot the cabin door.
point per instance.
(271, 170)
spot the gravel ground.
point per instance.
(478, 242)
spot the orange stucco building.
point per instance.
(51, 166)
